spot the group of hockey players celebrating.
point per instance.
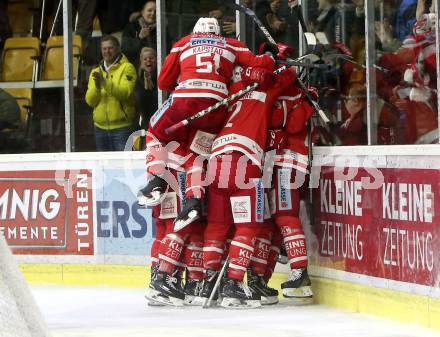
(225, 189)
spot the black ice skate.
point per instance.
(170, 287)
(190, 213)
(152, 294)
(153, 193)
(237, 295)
(298, 286)
(258, 285)
(192, 291)
(207, 287)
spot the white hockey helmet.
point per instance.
(425, 24)
(207, 25)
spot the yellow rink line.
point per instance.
(342, 295)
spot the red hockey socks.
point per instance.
(241, 251)
(261, 251)
(274, 252)
(294, 240)
(215, 237)
(160, 233)
(193, 256)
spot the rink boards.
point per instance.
(373, 247)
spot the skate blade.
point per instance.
(160, 299)
(302, 293)
(269, 300)
(180, 224)
(151, 297)
(234, 303)
(170, 301)
(194, 301)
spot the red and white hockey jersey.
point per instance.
(288, 123)
(246, 128)
(201, 65)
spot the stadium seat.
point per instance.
(53, 61)
(21, 15)
(23, 96)
(19, 58)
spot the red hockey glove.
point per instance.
(268, 47)
(262, 76)
(284, 51)
(342, 48)
(276, 139)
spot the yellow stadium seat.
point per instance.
(53, 61)
(20, 13)
(19, 56)
(23, 96)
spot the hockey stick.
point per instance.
(269, 37)
(224, 101)
(208, 301)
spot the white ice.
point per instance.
(115, 312)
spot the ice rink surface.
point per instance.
(115, 312)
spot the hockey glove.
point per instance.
(263, 77)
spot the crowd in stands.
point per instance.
(405, 52)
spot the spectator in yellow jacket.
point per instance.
(110, 93)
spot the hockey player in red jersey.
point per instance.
(174, 254)
(196, 71)
(288, 138)
(236, 194)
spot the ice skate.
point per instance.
(151, 294)
(237, 295)
(258, 285)
(169, 288)
(153, 193)
(207, 287)
(192, 291)
(190, 213)
(298, 286)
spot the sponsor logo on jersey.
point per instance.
(181, 180)
(196, 41)
(202, 143)
(168, 207)
(259, 200)
(204, 84)
(158, 114)
(223, 140)
(241, 209)
(284, 197)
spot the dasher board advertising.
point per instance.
(384, 227)
(47, 211)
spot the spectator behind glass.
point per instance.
(12, 138)
(353, 131)
(110, 93)
(254, 37)
(141, 32)
(405, 18)
(146, 86)
(327, 20)
(276, 25)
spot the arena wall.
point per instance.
(72, 218)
